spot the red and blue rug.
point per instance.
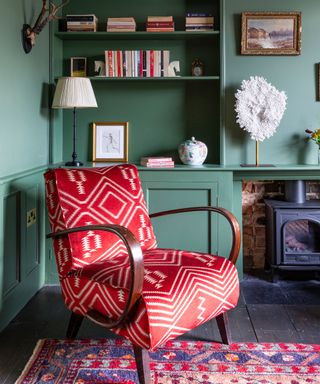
(179, 362)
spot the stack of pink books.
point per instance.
(157, 162)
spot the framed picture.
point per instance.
(271, 33)
(318, 82)
(78, 66)
(110, 142)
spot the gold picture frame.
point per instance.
(271, 33)
(110, 141)
(318, 81)
(78, 66)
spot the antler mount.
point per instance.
(47, 14)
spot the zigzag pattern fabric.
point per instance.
(181, 289)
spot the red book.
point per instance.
(110, 67)
(119, 63)
(151, 63)
(160, 29)
(141, 63)
(160, 24)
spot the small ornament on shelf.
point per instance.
(197, 68)
(99, 68)
(193, 152)
(174, 68)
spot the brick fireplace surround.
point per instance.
(254, 219)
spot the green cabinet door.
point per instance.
(195, 231)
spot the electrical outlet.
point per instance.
(31, 217)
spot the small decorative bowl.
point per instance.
(192, 152)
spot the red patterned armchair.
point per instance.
(112, 272)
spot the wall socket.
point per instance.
(31, 217)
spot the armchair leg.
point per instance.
(143, 364)
(74, 325)
(223, 325)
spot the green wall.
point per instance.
(295, 75)
(23, 91)
(24, 154)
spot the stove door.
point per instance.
(299, 237)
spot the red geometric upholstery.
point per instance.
(181, 289)
(109, 195)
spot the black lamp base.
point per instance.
(74, 163)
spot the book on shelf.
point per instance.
(77, 18)
(158, 165)
(121, 24)
(160, 24)
(199, 22)
(160, 18)
(137, 63)
(199, 28)
(82, 23)
(198, 14)
(157, 162)
(156, 159)
(164, 165)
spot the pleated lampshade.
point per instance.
(74, 92)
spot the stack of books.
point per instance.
(160, 24)
(121, 24)
(157, 162)
(137, 63)
(199, 22)
(82, 23)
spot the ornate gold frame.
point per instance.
(296, 16)
(125, 138)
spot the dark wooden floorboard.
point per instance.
(269, 317)
(286, 311)
(241, 326)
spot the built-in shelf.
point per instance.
(176, 78)
(140, 35)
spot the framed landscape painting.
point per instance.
(271, 33)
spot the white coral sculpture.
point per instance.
(260, 107)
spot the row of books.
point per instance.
(89, 23)
(82, 23)
(137, 63)
(160, 24)
(157, 162)
(199, 22)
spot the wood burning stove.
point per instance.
(293, 231)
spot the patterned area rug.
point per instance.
(111, 361)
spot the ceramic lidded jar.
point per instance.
(193, 152)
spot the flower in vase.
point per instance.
(314, 135)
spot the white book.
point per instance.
(166, 62)
(148, 62)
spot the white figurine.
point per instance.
(99, 68)
(173, 68)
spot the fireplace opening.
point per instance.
(281, 225)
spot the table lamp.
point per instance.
(72, 93)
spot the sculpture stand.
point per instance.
(257, 164)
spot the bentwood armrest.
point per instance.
(136, 269)
(235, 227)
